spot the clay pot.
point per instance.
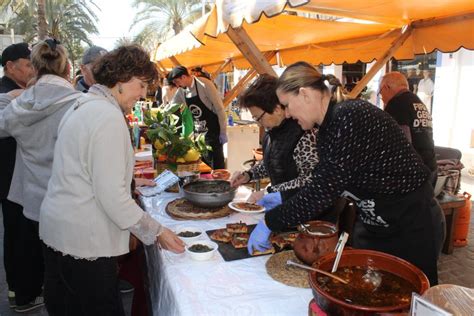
(365, 258)
(319, 238)
(258, 153)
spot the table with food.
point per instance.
(233, 263)
(217, 276)
(201, 284)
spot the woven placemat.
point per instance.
(288, 275)
(181, 209)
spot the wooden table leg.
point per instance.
(451, 216)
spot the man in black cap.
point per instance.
(18, 71)
(90, 56)
(206, 106)
(16, 67)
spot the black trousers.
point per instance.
(81, 287)
(215, 158)
(30, 273)
(12, 219)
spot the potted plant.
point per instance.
(175, 145)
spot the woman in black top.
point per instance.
(289, 153)
(363, 155)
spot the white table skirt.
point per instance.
(181, 286)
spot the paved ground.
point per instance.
(4, 307)
(457, 268)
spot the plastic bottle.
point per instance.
(136, 134)
(230, 120)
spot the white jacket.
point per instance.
(88, 207)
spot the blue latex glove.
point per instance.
(270, 200)
(223, 138)
(259, 238)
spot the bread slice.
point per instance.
(240, 240)
(221, 235)
(266, 252)
(237, 228)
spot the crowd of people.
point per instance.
(71, 183)
(67, 168)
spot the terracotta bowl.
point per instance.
(258, 153)
(308, 247)
(220, 174)
(361, 257)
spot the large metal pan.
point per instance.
(209, 193)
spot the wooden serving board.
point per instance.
(180, 209)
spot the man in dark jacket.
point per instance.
(18, 71)
(411, 115)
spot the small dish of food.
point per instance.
(220, 174)
(189, 233)
(201, 249)
(245, 207)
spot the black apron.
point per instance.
(206, 121)
(402, 226)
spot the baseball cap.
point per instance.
(15, 52)
(92, 53)
(177, 72)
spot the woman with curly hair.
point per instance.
(88, 213)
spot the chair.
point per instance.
(449, 169)
(442, 153)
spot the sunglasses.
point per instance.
(259, 118)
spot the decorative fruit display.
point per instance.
(173, 140)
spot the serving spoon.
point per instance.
(302, 266)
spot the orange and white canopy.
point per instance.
(445, 25)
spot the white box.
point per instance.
(241, 140)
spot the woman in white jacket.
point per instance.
(32, 119)
(88, 213)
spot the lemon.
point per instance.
(180, 160)
(159, 145)
(192, 155)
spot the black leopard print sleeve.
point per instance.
(306, 158)
(360, 148)
(258, 171)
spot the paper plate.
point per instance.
(242, 209)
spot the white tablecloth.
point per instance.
(181, 286)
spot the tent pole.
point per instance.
(160, 67)
(381, 62)
(247, 47)
(221, 67)
(174, 61)
(235, 91)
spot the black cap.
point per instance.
(177, 72)
(15, 52)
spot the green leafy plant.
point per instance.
(171, 143)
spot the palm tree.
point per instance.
(163, 19)
(42, 25)
(70, 21)
(19, 7)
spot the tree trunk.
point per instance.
(42, 25)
